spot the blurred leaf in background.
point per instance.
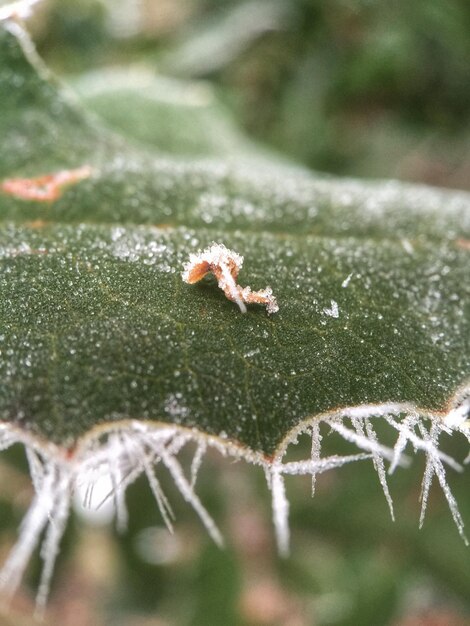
(356, 87)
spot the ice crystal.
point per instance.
(347, 280)
(333, 310)
(119, 457)
(17, 10)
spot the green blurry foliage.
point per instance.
(362, 87)
(339, 84)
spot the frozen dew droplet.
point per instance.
(333, 310)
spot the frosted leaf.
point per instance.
(122, 336)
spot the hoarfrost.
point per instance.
(347, 280)
(333, 311)
(119, 457)
(407, 246)
(17, 10)
(280, 509)
(174, 406)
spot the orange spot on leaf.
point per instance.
(47, 188)
(463, 243)
(37, 224)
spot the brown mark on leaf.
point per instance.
(37, 224)
(225, 265)
(463, 243)
(46, 188)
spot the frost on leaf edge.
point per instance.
(124, 450)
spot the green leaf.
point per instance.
(168, 115)
(97, 325)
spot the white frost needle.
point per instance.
(177, 443)
(190, 496)
(56, 527)
(197, 461)
(363, 442)
(118, 494)
(409, 423)
(434, 466)
(36, 468)
(280, 506)
(135, 449)
(17, 10)
(378, 463)
(315, 450)
(301, 468)
(160, 498)
(424, 445)
(31, 528)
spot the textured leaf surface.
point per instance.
(97, 325)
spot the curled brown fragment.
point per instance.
(225, 265)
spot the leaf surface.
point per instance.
(97, 325)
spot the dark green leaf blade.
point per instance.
(98, 326)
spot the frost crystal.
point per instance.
(333, 311)
(118, 458)
(346, 281)
(17, 10)
(225, 265)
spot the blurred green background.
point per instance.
(352, 87)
